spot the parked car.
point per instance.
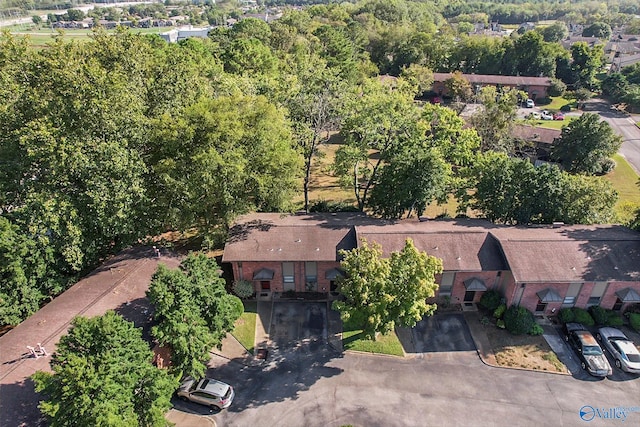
(545, 115)
(207, 391)
(530, 103)
(435, 100)
(592, 359)
(623, 350)
(533, 116)
(558, 116)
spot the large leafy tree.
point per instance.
(27, 276)
(585, 144)
(586, 61)
(380, 293)
(494, 120)
(221, 158)
(379, 122)
(193, 310)
(513, 191)
(103, 376)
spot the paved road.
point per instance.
(320, 387)
(624, 125)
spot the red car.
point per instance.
(558, 116)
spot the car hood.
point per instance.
(598, 363)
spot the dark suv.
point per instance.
(592, 359)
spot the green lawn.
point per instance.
(353, 339)
(245, 328)
(625, 181)
(556, 103)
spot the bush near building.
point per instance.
(518, 320)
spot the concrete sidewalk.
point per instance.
(483, 347)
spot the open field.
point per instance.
(42, 36)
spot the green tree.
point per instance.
(103, 376)
(221, 158)
(513, 191)
(27, 273)
(459, 87)
(193, 310)
(586, 63)
(381, 120)
(601, 30)
(409, 183)
(313, 101)
(555, 32)
(585, 144)
(383, 292)
(494, 121)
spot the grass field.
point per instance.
(625, 181)
(42, 36)
(245, 327)
(353, 339)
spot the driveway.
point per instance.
(292, 322)
(442, 332)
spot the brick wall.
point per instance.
(277, 285)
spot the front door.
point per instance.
(469, 295)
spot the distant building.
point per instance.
(535, 87)
(178, 34)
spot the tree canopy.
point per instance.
(193, 310)
(103, 376)
(513, 191)
(380, 293)
(585, 144)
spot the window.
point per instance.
(568, 301)
(446, 284)
(596, 293)
(265, 285)
(311, 275)
(287, 272)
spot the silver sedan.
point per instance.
(623, 350)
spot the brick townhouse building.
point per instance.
(535, 87)
(542, 268)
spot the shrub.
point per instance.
(242, 288)
(500, 323)
(583, 316)
(536, 330)
(614, 319)
(634, 321)
(491, 299)
(518, 320)
(565, 108)
(499, 312)
(557, 87)
(599, 314)
(607, 165)
(566, 315)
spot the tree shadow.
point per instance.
(140, 312)
(281, 377)
(19, 405)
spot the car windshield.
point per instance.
(592, 350)
(635, 358)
